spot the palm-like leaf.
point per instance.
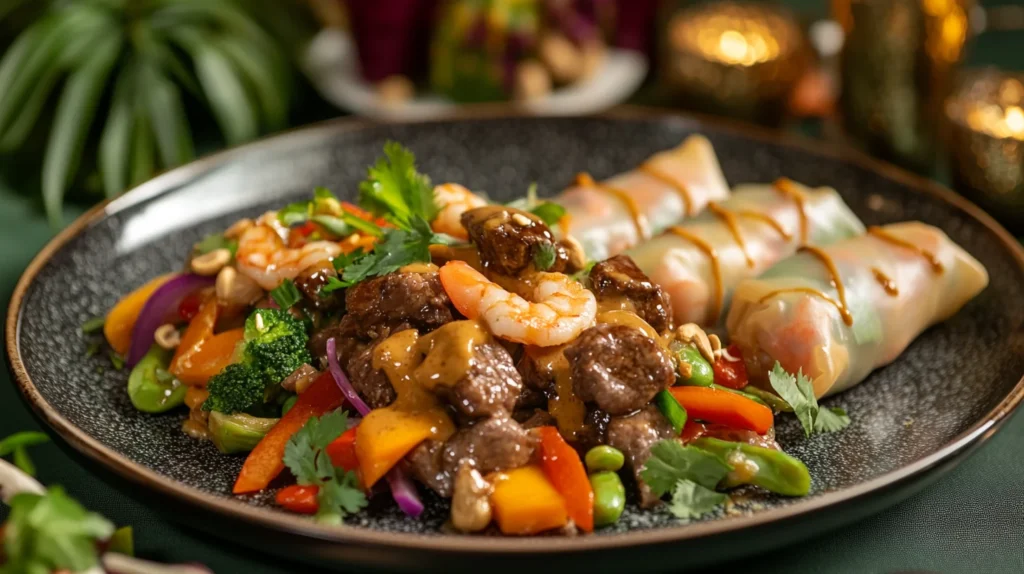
(158, 51)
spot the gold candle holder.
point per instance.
(986, 119)
(736, 59)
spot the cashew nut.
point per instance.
(577, 256)
(238, 228)
(692, 333)
(521, 220)
(234, 288)
(532, 81)
(716, 344)
(211, 263)
(471, 500)
(167, 336)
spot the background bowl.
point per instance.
(912, 420)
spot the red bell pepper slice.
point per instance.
(343, 450)
(563, 467)
(265, 461)
(299, 498)
(732, 374)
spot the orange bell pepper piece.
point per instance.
(343, 450)
(563, 467)
(386, 435)
(120, 321)
(722, 407)
(525, 502)
(298, 498)
(201, 354)
(264, 463)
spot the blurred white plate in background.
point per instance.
(331, 64)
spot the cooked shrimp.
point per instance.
(263, 256)
(454, 200)
(559, 311)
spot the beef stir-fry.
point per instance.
(430, 340)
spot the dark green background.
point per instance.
(972, 520)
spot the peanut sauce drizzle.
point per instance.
(834, 279)
(652, 170)
(716, 270)
(885, 281)
(643, 229)
(732, 222)
(889, 237)
(786, 187)
(566, 408)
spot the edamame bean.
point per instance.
(150, 387)
(609, 497)
(288, 404)
(604, 457)
(701, 373)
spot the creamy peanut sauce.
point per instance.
(567, 409)
(786, 187)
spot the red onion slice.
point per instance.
(342, 381)
(161, 305)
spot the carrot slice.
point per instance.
(563, 467)
(716, 406)
(120, 321)
(265, 461)
(525, 502)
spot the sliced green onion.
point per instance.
(673, 411)
(286, 294)
(93, 325)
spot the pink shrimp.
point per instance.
(264, 257)
(559, 309)
(454, 200)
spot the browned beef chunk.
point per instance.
(378, 306)
(634, 435)
(497, 443)
(594, 431)
(618, 368)
(619, 278)
(530, 399)
(424, 464)
(489, 387)
(311, 280)
(371, 384)
(533, 418)
(508, 239)
(347, 340)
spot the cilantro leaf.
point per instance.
(691, 500)
(328, 428)
(216, 241)
(295, 213)
(799, 393)
(299, 456)
(286, 294)
(17, 445)
(544, 256)
(399, 248)
(395, 190)
(671, 462)
(550, 212)
(52, 532)
(831, 420)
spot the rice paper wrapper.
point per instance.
(686, 271)
(780, 317)
(687, 178)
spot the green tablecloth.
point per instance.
(972, 520)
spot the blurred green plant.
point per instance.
(117, 73)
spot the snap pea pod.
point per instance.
(609, 497)
(777, 403)
(772, 470)
(700, 372)
(288, 404)
(150, 387)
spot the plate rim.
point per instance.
(228, 508)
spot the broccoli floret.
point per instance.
(237, 388)
(275, 345)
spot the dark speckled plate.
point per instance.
(911, 420)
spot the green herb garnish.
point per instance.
(691, 500)
(799, 393)
(549, 212)
(673, 411)
(394, 190)
(214, 242)
(51, 532)
(17, 445)
(338, 489)
(544, 256)
(671, 462)
(94, 325)
(116, 360)
(286, 294)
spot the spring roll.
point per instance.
(699, 263)
(613, 215)
(838, 312)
